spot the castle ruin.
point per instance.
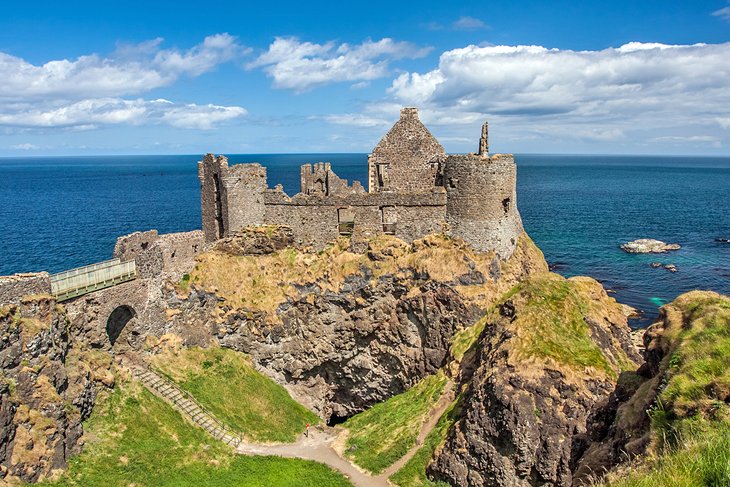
(414, 188)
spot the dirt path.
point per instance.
(447, 397)
(319, 446)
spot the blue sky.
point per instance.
(192, 77)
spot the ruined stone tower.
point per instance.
(481, 198)
(231, 197)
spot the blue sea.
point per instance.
(61, 212)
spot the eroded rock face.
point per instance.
(256, 240)
(342, 352)
(46, 391)
(648, 246)
(342, 348)
(529, 401)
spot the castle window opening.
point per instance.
(389, 219)
(381, 174)
(345, 221)
(506, 204)
(218, 205)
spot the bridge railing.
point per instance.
(83, 280)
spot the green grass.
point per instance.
(384, 433)
(703, 459)
(225, 382)
(136, 439)
(699, 367)
(413, 473)
(466, 339)
(552, 324)
(690, 421)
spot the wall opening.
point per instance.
(381, 174)
(506, 203)
(117, 321)
(218, 205)
(389, 219)
(345, 221)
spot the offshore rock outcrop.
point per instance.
(46, 389)
(549, 355)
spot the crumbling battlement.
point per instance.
(170, 255)
(414, 188)
(13, 288)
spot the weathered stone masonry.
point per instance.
(414, 188)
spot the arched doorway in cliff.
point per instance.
(117, 321)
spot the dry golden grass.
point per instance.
(265, 282)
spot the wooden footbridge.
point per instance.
(83, 280)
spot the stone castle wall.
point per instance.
(13, 288)
(406, 159)
(482, 201)
(169, 255)
(414, 189)
(315, 220)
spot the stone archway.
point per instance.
(117, 320)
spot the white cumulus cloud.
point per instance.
(299, 66)
(91, 90)
(617, 91)
(136, 69)
(86, 114)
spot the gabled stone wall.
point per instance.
(406, 158)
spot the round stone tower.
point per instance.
(481, 203)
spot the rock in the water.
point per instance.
(669, 267)
(648, 246)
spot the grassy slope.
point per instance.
(384, 433)
(225, 382)
(691, 422)
(551, 323)
(134, 438)
(413, 473)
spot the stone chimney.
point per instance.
(484, 141)
(408, 113)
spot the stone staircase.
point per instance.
(186, 404)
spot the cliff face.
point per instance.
(549, 355)
(344, 331)
(679, 396)
(47, 389)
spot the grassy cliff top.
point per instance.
(263, 282)
(554, 321)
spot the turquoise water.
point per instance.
(61, 212)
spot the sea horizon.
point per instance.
(76, 211)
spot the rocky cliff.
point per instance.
(345, 330)
(47, 389)
(551, 352)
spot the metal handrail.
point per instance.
(221, 425)
(82, 280)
